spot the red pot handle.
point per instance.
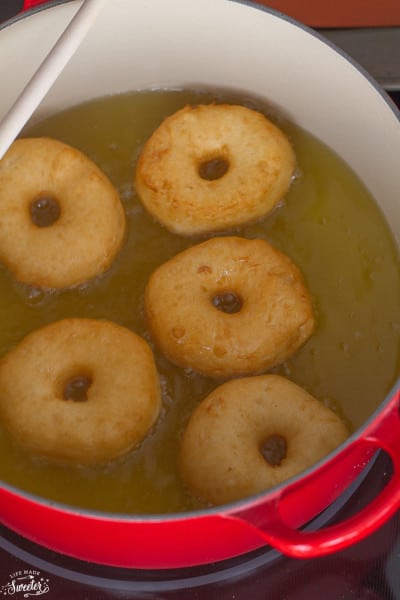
(383, 433)
(31, 3)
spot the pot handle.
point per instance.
(31, 3)
(383, 433)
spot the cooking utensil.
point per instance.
(46, 74)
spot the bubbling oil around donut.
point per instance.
(328, 224)
(228, 302)
(213, 169)
(76, 388)
(274, 449)
(45, 210)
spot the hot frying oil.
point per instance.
(328, 224)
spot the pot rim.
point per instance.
(251, 4)
(251, 501)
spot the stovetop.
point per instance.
(369, 570)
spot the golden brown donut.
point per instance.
(61, 219)
(252, 434)
(79, 390)
(228, 306)
(212, 168)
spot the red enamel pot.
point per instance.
(243, 46)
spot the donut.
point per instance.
(61, 219)
(79, 391)
(252, 434)
(214, 167)
(228, 306)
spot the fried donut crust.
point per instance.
(123, 399)
(90, 230)
(275, 319)
(259, 158)
(221, 457)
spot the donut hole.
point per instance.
(228, 302)
(44, 210)
(213, 168)
(76, 388)
(274, 449)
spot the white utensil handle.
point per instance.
(47, 73)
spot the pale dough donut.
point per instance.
(252, 434)
(79, 390)
(273, 318)
(174, 169)
(61, 219)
